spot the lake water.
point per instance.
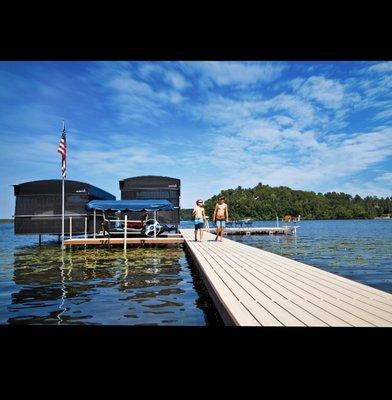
(152, 286)
(157, 285)
(360, 250)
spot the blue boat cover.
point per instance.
(130, 205)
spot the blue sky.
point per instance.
(320, 126)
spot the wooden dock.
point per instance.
(133, 241)
(253, 287)
(284, 230)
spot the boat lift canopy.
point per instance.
(130, 205)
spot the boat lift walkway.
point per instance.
(253, 287)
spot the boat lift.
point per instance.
(149, 227)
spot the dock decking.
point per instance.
(253, 287)
(103, 241)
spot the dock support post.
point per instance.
(95, 222)
(155, 221)
(85, 229)
(39, 240)
(125, 231)
(70, 227)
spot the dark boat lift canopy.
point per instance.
(130, 205)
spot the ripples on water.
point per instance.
(151, 286)
(360, 250)
(156, 285)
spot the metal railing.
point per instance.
(125, 221)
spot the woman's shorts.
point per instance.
(220, 223)
(199, 223)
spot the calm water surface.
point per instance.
(156, 285)
(151, 286)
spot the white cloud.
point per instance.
(220, 111)
(327, 92)
(263, 130)
(302, 112)
(384, 114)
(235, 73)
(380, 67)
(373, 83)
(283, 120)
(386, 178)
(166, 72)
(135, 100)
(363, 189)
(125, 83)
(262, 150)
(117, 156)
(177, 80)
(244, 126)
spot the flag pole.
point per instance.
(63, 200)
(62, 216)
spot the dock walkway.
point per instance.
(135, 241)
(253, 287)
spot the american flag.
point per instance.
(63, 151)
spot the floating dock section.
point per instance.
(253, 287)
(135, 241)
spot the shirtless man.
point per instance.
(221, 216)
(199, 214)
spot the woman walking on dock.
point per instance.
(221, 216)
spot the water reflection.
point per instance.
(103, 286)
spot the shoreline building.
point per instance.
(151, 187)
(38, 206)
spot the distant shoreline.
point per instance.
(304, 219)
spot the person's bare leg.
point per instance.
(201, 234)
(221, 234)
(217, 233)
(195, 235)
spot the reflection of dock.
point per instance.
(284, 230)
(250, 286)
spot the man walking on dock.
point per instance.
(221, 216)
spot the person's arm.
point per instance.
(227, 213)
(203, 213)
(194, 212)
(213, 218)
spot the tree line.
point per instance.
(265, 202)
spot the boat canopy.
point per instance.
(130, 205)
